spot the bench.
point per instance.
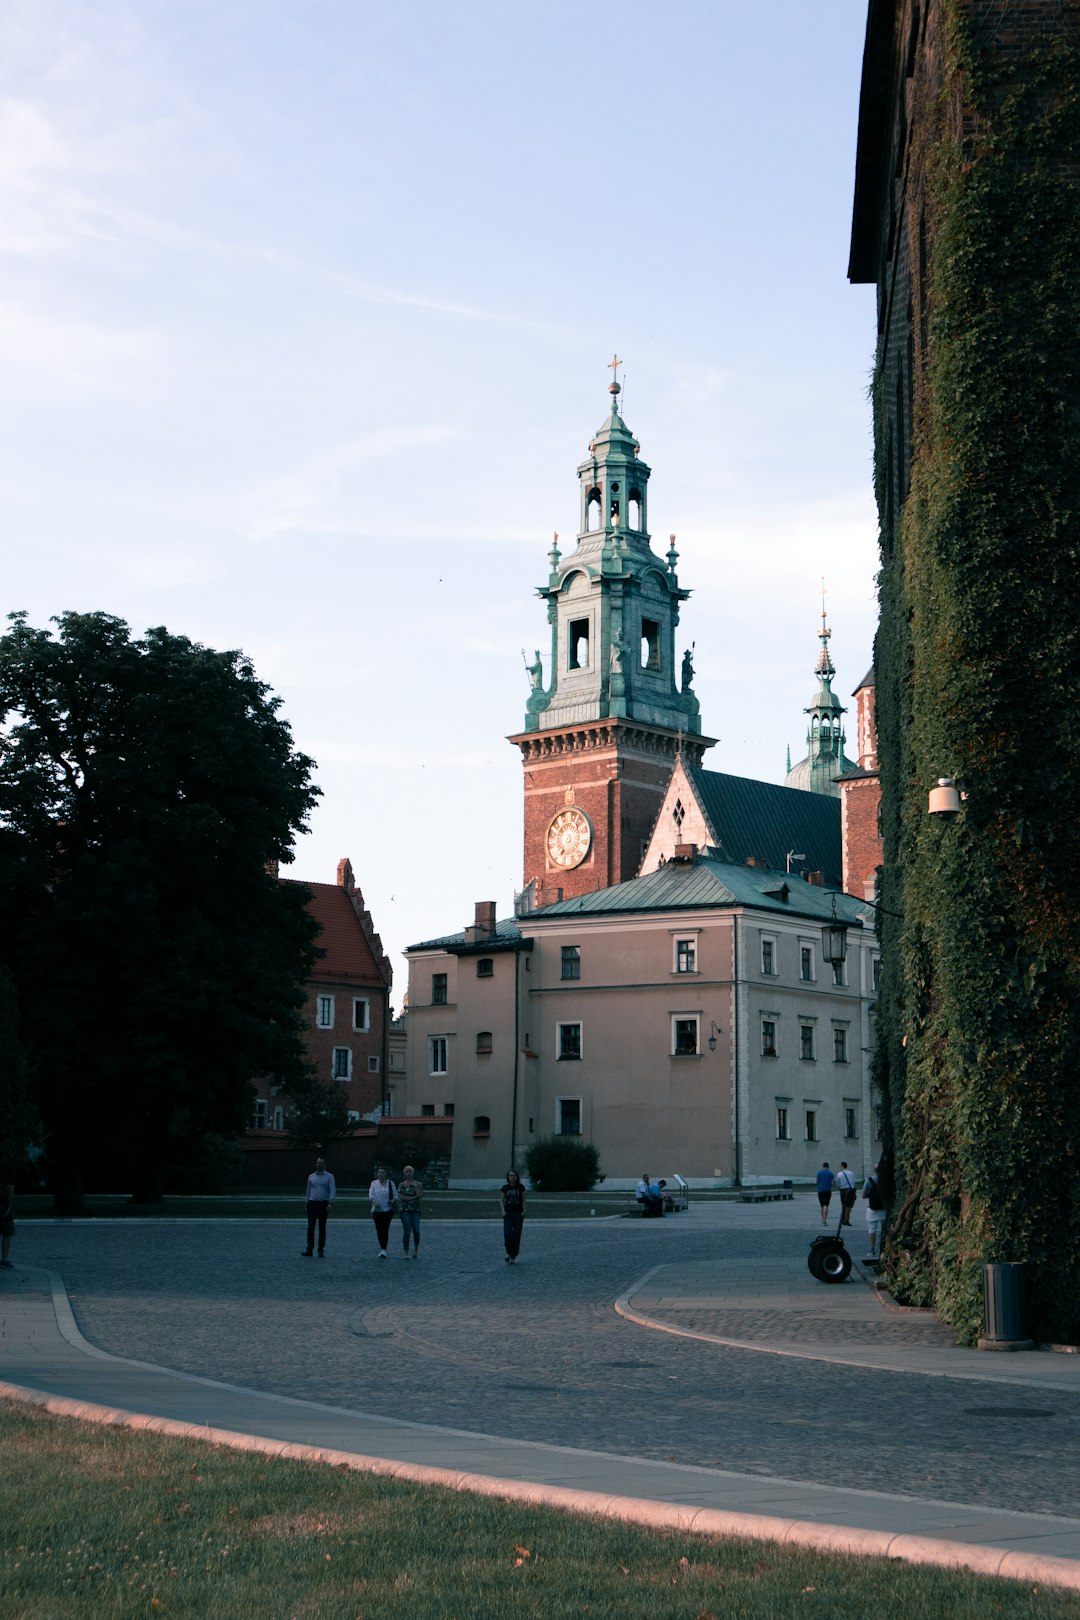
(764, 1195)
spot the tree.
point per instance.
(21, 1124)
(147, 790)
(318, 1115)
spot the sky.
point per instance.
(305, 313)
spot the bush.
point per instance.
(563, 1164)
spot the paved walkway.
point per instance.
(769, 1305)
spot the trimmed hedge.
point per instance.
(563, 1164)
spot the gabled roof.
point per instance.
(348, 957)
(708, 882)
(761, 819)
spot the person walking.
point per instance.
(383, 1194)
(825, 1182)
(7, 1225)
(875, 1212)
(512, 1204)
(847, 1187)
(321, 1192)
(410, 1193)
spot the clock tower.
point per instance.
(602, 733)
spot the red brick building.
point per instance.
(860, 802)
(347, 1010)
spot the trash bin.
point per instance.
(1005, 1307)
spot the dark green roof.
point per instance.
(507, 934)
(707, 882)
(763, 820)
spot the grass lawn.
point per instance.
(272, 1204)
(103, 1523)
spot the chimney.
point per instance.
(485, 919)
(816, 878)
(270, 868)
(754, 860)
(345, 877)
(684, 852)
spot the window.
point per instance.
(851, 1122)
(324, 1012)
(839, 1043)
(571, 963)
(437, 1054)
(341, 1067)
(783, 1129)
(279, 1118)
(768, 1037)
(568, 1116)
(839, 975)
(686, 956)
(485, 968)
(806, 1042)
(811, 1125)
(568, 1041)
(373, 1064)
(684, 1037)
(768, 956)
(438, 989)
(875, 974)
(427, 1110)
(361, 1013)
(483, 1042)
(806, 962)
(448, 1110)
(481, 1125)
(261, 1116)
(650, 644)
(579, 643)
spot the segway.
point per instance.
(828, 1259)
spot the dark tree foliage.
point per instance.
(978, 671)
(319, 1114)
(145, 785)
(20, 1124)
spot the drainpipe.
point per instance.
(512, 1162)
(735, 1041)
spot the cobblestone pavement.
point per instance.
(535, 1351)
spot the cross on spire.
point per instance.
(614, 387)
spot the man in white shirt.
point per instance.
(321, 1192)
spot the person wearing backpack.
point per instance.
(875, 1212)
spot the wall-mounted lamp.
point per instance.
(834, 938)
(712, 1036)
(945, 799)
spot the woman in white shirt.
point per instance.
(382, 1193)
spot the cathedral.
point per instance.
(683, 976)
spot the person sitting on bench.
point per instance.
(648, 1196)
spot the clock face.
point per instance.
(569, 838)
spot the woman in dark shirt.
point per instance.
(512, 1203)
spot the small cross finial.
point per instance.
(614, 386)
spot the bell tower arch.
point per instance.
(602, 732)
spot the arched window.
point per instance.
(481, 1125)
(634, 510)
(483, 1042)
(593, 509)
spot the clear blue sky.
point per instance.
(304, 319)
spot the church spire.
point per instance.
(613, 604)
(825, 758)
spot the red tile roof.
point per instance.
(348, 957)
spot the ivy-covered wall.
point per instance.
(978, 669)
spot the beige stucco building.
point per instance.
(686, 1020)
